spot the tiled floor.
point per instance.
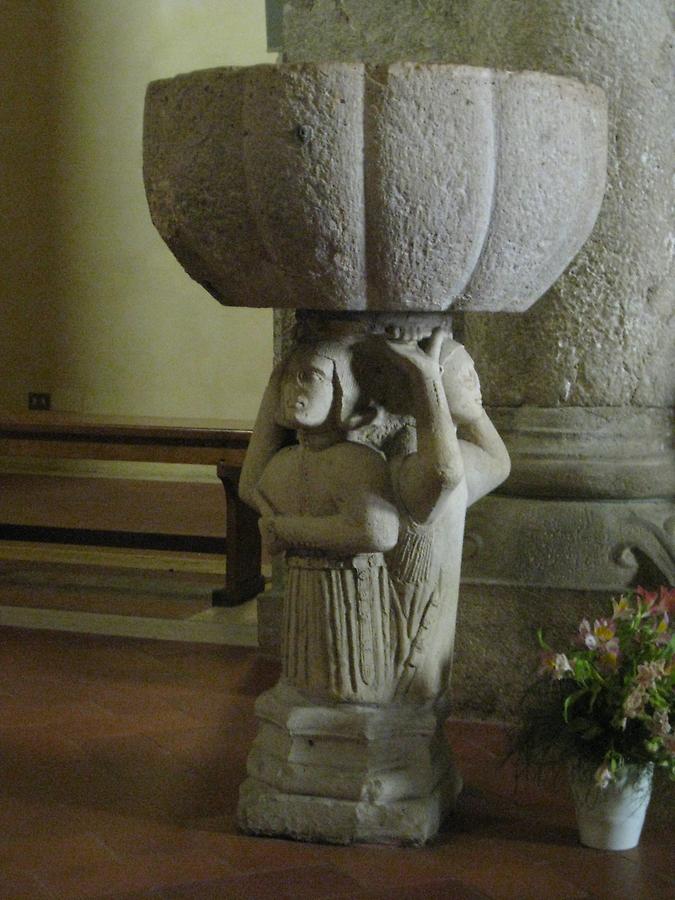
(120, 762)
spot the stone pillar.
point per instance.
(581, 385)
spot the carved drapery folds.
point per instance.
(336, 637)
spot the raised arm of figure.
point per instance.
(486, 459)
(268, 437)
(427, 478)
(366, 521)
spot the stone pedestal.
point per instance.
(374, 200)
(347, 772)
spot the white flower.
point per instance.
(660, 725)
(554, 664)
(634, 703)
(561, 664)
(586, 636)
(649, 673)
(603, 776)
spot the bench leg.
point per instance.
(243, 579)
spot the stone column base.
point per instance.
(345, 773)
(601, 545)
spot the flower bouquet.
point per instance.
(603, 706)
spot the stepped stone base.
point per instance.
(346, 773)
(264, 810)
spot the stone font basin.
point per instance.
(344, 186)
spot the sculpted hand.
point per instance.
(417, 360)
(268, 533)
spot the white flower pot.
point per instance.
(611, 818)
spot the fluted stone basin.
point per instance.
(347, 187)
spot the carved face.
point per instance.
(462, 387)
(307, 391)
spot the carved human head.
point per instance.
(460, 382)
(318, 389)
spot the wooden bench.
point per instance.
(192, 441)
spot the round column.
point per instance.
(580, 386)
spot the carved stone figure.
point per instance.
(373, 542)
(436, 476)
(326, 501)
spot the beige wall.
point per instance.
(93, 307)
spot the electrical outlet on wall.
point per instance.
(39, 401)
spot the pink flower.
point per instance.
(667, 599)
(657, 602)
(604, 630)
(648, 598)
(603, 639)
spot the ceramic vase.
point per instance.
(611, 818)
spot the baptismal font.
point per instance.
(373, 200)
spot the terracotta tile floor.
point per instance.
(120, 761)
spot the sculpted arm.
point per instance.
(268, 437)
(428, 476)
(486, 459)
(366, 520)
